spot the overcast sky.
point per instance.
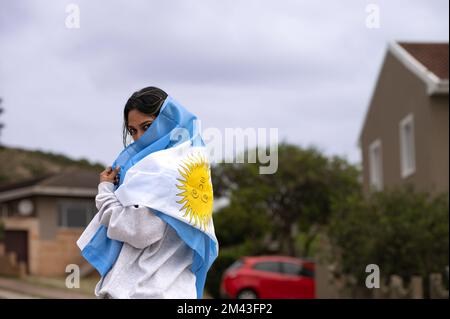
(305, 67)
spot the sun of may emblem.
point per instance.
(197, 193)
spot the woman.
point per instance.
(154, 262)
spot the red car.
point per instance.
(269, 277)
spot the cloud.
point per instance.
(306, 67)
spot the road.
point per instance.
(7, 294)
(11, 288)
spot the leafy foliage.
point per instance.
(402, 231)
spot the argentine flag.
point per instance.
(166, 170)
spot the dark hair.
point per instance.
(147, 100)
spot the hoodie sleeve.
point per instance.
(135, 225)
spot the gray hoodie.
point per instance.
(154, 262)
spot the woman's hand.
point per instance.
(110, 175)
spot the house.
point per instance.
(405, 135)
(44, 217)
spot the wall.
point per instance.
(398, 93)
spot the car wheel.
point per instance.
(247, 294)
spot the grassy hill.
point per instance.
(21, 164)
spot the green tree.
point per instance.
(402, 231)
(298, 197)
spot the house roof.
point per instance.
(428, 61)
(433, 56)
(72, 182)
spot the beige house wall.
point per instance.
(439, 143)
(397, 94)
(50, 247)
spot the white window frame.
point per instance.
(376, 165)
(407, 147)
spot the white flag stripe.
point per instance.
(153, 181)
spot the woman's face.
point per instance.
(138, 123)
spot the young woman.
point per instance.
(154, 261)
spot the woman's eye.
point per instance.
(146, 127)
(132, 132)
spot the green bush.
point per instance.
(404, 232)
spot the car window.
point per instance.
(305, 272)
(237, 264)
(296, 270)
(268, 266)
(291, 269)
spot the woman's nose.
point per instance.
(138, 135)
